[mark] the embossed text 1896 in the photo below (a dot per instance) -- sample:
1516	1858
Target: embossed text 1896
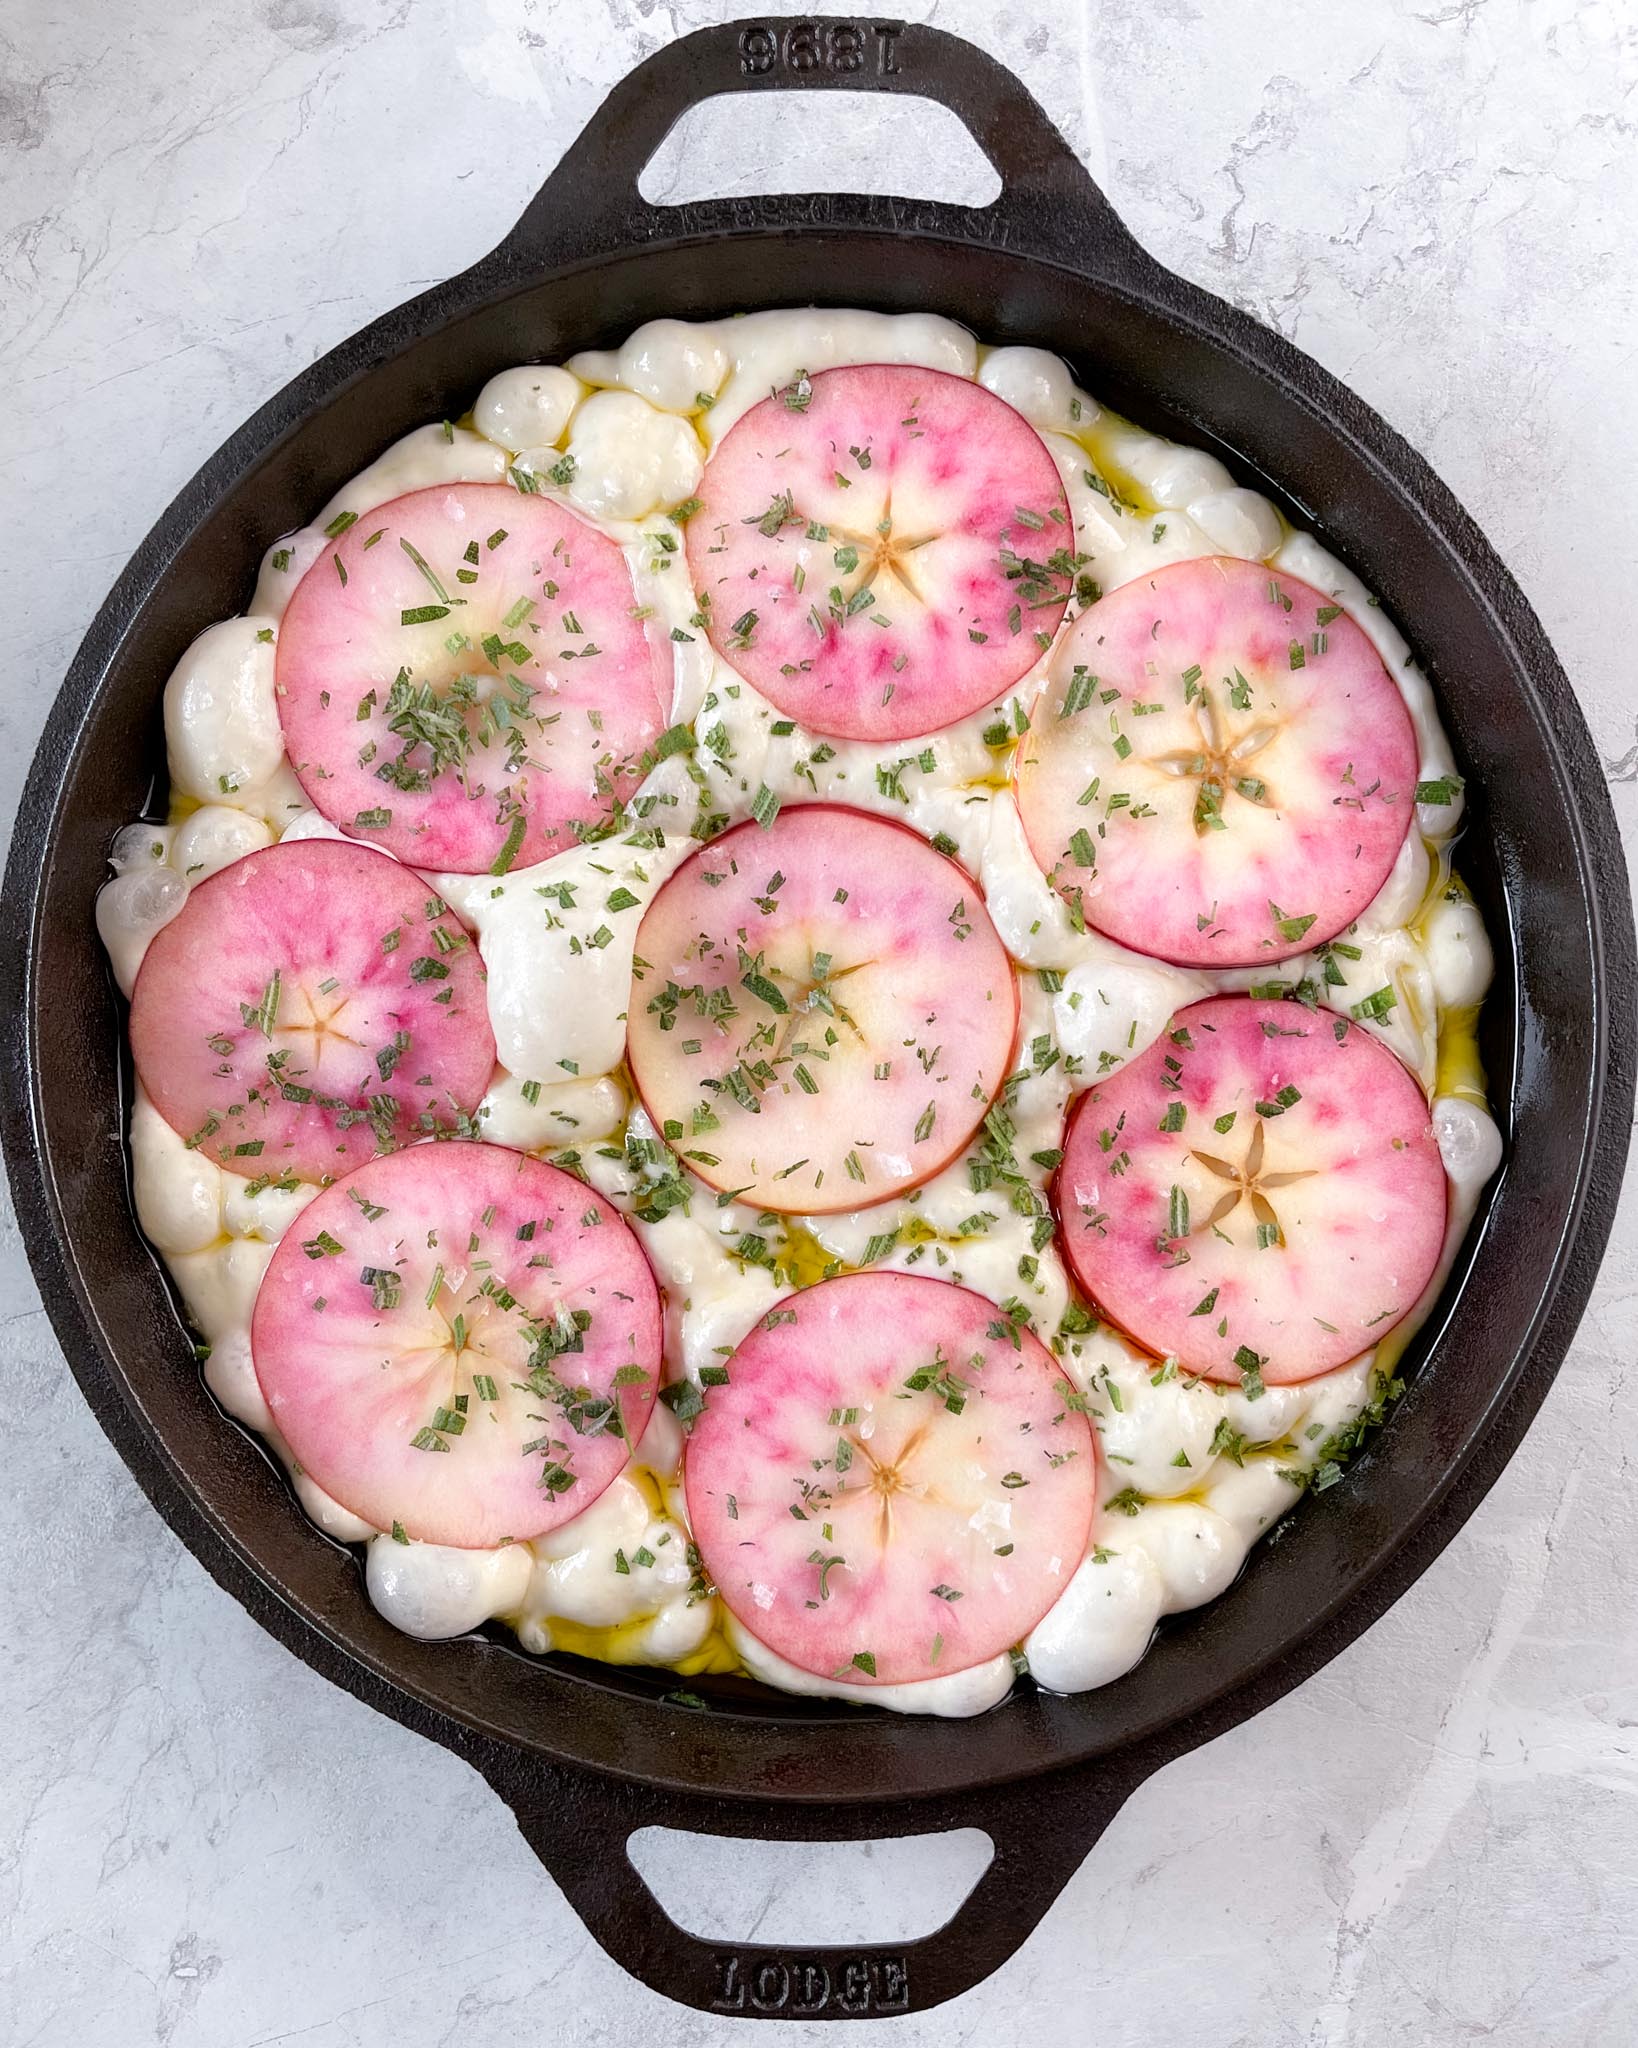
804	49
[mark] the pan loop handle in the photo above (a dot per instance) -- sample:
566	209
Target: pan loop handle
579	1826
1048	205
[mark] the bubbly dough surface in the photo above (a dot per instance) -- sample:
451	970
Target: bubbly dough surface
1192	1473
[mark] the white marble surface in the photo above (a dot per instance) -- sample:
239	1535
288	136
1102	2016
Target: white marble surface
1436	1841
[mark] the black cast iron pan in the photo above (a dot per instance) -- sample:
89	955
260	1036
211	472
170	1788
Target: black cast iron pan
584	1754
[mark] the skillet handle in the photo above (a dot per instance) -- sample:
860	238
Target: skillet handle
579	1826
1048	205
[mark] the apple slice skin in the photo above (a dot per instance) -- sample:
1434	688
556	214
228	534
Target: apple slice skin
357	1371
968	492
380	1032
592	691
995	1476
919	983
1345	1170
1266	847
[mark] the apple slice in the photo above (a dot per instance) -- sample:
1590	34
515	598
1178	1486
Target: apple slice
310	1005
892	1483
459	1343
882	549
822	1011
1219	771
1259	1195
462	678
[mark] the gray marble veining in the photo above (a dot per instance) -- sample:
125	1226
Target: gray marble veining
1435	1841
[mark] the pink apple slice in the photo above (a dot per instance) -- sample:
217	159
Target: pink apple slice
460	1341
892	1483
463	679
822	1011
1219	770
882	550
1260	1194
312	1004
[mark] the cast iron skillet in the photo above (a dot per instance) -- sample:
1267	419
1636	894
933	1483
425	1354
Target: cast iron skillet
585	1754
